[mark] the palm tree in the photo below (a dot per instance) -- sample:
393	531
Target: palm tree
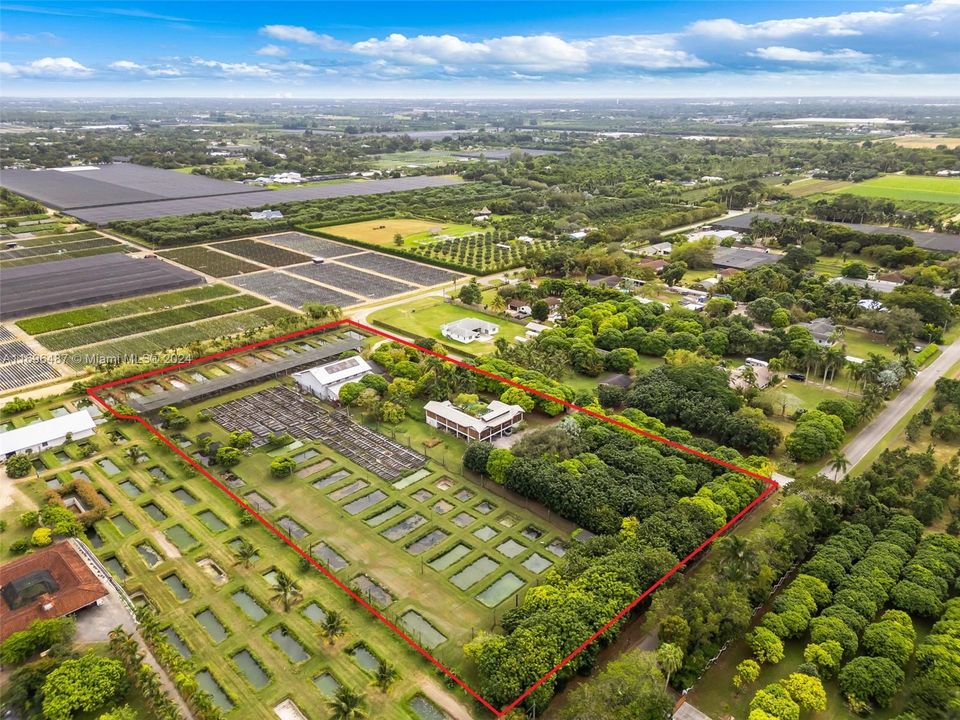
286	589
902	348
737	558
839	464
347	704
670	659
386	675
244	553
135	454
498	303
333	626
909	369
810	356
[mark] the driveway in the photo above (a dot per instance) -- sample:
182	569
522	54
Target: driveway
895	410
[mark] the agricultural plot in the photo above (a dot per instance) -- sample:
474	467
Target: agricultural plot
309	244
67	251
812	186
402	269
290	290
22	374
352	281
262	253
15	350
918	188
411	158
175	337
413	231
60	248
124	327
210	262
481	253
99	313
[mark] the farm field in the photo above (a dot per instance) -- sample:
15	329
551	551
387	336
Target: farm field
210	261
423	318
262	253
415	231
919	141
412	158
919	188
109	311
811	186
166	534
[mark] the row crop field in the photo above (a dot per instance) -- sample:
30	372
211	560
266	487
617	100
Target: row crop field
921	188
210	261
262	253
58	239
812	186
112	311
123	327
177	337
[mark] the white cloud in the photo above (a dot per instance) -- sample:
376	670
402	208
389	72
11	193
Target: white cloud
131	67
271	50
299	34
788	54
48	67
531	52
28	37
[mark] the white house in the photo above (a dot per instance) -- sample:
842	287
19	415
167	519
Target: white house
660	249
325	381
469	330
520	308
47	434
498	419
266	215
868	304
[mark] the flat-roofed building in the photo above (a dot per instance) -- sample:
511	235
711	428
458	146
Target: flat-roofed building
497	420
325	381
47	434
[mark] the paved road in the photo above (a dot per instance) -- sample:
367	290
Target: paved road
883	423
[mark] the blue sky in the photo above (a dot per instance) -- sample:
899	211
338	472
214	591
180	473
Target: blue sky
479	49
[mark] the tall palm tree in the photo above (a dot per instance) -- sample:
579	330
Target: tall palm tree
670	659
332	627
286	589
902	347
347	704
737	557
244	553
839	464
498	303
135	454
386	675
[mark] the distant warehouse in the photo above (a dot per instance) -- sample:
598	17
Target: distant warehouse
742	258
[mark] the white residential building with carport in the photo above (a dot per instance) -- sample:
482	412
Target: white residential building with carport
47	434
325	381
469	330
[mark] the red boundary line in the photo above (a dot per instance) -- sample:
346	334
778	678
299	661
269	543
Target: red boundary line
771	486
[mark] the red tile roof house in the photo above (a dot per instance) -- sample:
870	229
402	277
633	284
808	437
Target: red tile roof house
45	584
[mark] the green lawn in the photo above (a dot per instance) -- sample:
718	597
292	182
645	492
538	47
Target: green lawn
922	188
417	158
861	343
423	318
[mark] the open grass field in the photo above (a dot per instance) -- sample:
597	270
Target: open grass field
423	318
412	158
414	231
919	141
920	188
811	186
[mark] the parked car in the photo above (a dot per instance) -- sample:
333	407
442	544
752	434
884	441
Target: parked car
797	376
917	348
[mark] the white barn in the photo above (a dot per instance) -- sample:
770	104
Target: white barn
325	381
47	434
469	330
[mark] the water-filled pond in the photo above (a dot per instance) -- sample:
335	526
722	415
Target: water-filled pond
258	502
424	543
365	659
251	669
328	556
422	495
536	563
123	524
292	528
530	532
463	495
251	608
154	511
211	623
235	545
315	613
421	630
385	515
474	572
510	548
206	681
305	455
557	547
327	684
181	591
373	591
116	568
348	489
94	537
485	532
79	474
177	642
462	519
185	496
426	710
158	473
108	466
442	506
483	507
53	483
404	527
330	479
62	457
500	590
450	557
212	521
150	556
289	644
365	502
180	537
130	489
